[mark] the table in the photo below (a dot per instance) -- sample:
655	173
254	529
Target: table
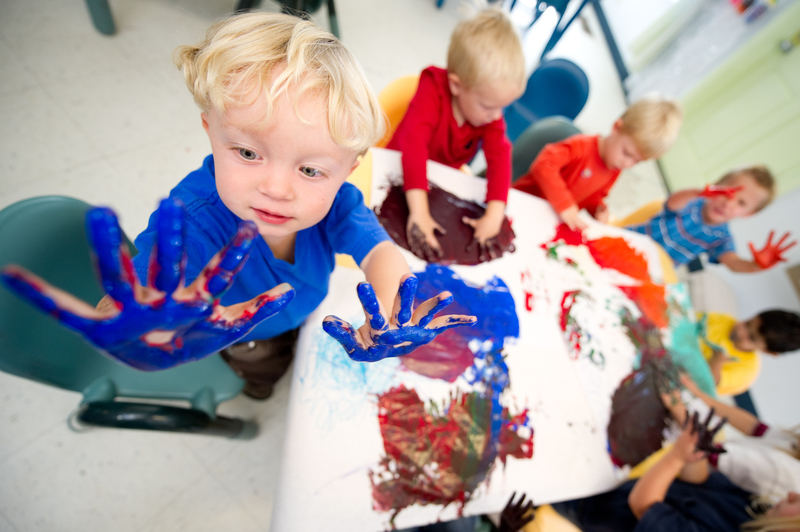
431	436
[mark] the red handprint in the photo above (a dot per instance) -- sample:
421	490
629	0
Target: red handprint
772	254
713	190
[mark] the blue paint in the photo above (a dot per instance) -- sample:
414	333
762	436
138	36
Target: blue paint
123	337
169	254
366	294
391	342
494	307
408	288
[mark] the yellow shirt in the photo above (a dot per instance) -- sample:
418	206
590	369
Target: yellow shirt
738	373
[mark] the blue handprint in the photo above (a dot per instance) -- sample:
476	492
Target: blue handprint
380	338
163	324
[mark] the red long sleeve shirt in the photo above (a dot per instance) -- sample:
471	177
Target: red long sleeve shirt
429	131
570	172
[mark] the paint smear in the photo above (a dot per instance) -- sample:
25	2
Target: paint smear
448	210
442	453
638	417
449	354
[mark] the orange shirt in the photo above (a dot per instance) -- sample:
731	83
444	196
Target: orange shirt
569	173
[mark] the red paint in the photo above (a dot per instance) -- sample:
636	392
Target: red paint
440	455
568	236
650	298
615	253
573	335
445	357
528	301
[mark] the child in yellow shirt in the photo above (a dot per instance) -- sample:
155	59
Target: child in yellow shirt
731	347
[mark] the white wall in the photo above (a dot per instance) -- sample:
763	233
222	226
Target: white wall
776	393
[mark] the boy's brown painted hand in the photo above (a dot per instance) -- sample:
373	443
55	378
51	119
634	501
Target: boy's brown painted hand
420	233
771	254
516	514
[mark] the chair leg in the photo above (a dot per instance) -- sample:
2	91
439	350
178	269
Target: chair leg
160	417
101	16
333	19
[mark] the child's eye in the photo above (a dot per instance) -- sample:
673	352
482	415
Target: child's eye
310	172
247	155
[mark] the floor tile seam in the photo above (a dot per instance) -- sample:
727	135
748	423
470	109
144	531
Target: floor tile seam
8	520
42	433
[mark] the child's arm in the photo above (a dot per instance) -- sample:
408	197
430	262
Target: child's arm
738	264
163	324
741	419
400	333
421	226
683	459
545	171
678	200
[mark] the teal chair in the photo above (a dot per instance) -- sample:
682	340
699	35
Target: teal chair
534	138
46	235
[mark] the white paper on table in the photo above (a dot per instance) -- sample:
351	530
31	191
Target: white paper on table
333	436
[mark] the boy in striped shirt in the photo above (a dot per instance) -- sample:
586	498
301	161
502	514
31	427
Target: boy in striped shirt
695	221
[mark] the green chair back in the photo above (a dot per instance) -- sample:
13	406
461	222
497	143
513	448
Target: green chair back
47	236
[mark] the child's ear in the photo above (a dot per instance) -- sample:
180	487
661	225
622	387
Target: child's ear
617	127
204	118
355	164
454	83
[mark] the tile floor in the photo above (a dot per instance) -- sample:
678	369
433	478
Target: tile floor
108	120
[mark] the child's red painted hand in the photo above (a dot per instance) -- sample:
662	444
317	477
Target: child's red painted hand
381	337
165	323
771	254
713	190
573	220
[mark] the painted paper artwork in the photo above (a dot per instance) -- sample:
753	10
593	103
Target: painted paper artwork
573	329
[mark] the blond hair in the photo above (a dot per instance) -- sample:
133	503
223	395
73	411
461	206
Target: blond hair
236	62
760	174
771	524
486	49
653	124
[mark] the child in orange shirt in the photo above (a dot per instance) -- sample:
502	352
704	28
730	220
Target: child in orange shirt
577	173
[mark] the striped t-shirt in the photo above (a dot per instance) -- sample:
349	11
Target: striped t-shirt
684	235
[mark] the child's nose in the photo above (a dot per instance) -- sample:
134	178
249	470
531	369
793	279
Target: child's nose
277	184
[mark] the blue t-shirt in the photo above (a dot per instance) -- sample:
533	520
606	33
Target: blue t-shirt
684	235
350	227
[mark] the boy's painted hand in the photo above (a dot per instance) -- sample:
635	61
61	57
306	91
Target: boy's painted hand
516	514
163	324
713	190
704	441
381	337
487	227
601	214
570	217
771	254
420	233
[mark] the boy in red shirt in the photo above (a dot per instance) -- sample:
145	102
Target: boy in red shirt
577	173
453	114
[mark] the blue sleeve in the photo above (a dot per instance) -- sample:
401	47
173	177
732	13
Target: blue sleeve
722	246
351	226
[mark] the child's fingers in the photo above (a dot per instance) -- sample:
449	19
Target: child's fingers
443	323
769	238
342	332
59	304
372	307
404	301
113	262
170	247
428	309
230	260
260	307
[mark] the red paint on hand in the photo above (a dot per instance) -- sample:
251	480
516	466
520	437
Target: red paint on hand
771	254
713	190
